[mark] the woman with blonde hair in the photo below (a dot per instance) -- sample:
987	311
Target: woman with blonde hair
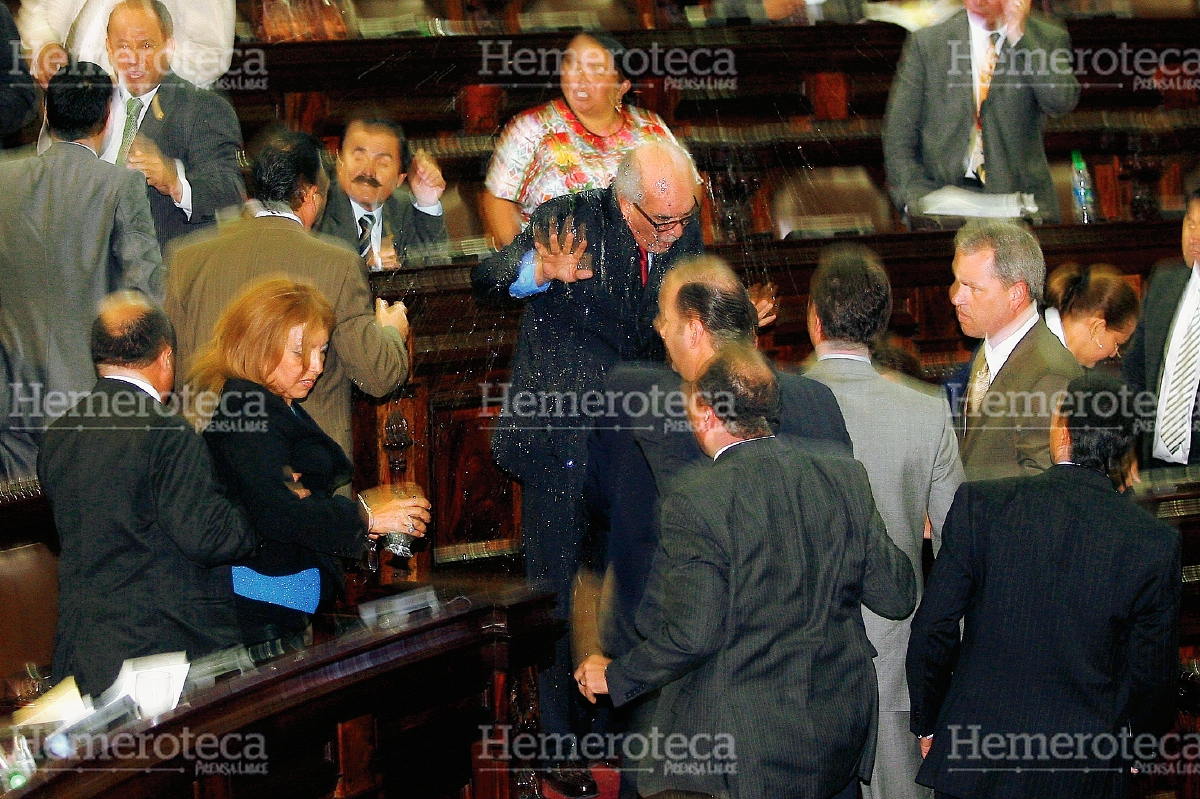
267	352
1092	309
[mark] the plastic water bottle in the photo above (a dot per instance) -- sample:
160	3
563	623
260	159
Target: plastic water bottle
1085	197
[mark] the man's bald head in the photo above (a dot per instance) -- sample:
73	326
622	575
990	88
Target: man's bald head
702	306
130	332
657	187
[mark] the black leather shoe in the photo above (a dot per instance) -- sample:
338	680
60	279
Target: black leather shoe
571	782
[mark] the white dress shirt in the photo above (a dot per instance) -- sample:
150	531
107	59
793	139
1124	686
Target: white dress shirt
1188	306
116	132
997	353
1054	322
140	383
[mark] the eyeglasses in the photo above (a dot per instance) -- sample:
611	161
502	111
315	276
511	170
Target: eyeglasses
664	226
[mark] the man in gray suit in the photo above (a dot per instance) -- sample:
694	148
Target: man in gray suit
752	618
74	229
1019	370
905	439
947	126
366	349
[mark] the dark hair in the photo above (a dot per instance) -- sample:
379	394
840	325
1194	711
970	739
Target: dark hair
1102	426
610	43
741	389
1193	197
887	355
130	331
166	25
288	163
1092	290
851	293
380	120
711	292
77	101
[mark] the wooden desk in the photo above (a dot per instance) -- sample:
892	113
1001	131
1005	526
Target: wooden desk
370	713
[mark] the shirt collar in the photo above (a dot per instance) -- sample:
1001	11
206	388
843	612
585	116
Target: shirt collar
359	211
735	443
140	383
980	30
146	98
843	356
997	353
264	211
79	144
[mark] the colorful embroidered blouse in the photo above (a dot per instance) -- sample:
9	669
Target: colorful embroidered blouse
546	152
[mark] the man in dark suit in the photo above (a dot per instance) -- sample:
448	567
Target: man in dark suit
147	533
1069	598
592	300
752	621
946	126
1157	360
905	439
366	349
368	208
1018	371
635	452
184	140
73	229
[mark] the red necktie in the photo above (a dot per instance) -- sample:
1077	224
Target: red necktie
644	262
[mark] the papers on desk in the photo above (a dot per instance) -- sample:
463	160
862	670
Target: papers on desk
953	201
62	704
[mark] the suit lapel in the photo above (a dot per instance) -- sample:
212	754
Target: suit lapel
1158	325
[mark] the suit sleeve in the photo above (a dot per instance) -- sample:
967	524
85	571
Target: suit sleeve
493	275
693	594
933	643
17	98
1057	96
1153	647
257	462
375	356
889	586
134	245
192	508
902	155
947	477
1033	444
211	159
427	228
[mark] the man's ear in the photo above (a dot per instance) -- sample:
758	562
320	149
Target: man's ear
816	333
695	332
1018	293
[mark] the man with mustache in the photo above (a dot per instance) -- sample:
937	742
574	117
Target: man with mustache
368	209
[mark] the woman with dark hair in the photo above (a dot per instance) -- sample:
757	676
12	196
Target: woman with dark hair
267	351
567	145
1092	309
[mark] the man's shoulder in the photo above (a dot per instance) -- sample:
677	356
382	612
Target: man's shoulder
1168	275
627	376
177	90
592	202
1043	354
943	32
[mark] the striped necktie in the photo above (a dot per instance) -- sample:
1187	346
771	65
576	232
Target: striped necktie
975	164
365	223
1180	395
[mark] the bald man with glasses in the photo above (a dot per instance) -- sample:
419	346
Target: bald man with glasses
588	267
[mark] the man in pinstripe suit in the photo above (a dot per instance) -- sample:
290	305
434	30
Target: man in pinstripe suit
752	621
